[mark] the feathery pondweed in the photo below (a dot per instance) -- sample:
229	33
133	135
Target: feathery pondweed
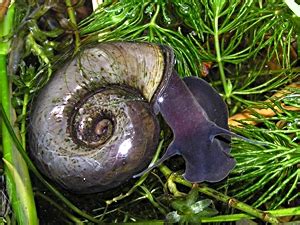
247	50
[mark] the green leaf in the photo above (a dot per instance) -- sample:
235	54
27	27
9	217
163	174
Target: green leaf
173	217
201	205
192	197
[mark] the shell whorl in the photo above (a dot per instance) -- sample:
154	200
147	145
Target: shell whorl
92	127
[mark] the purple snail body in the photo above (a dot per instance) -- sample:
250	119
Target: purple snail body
94	125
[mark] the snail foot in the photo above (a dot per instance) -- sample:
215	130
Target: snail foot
197	117
205	159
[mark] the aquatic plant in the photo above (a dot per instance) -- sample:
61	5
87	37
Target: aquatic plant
248	50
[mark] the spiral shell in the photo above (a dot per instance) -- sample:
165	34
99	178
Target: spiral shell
93	125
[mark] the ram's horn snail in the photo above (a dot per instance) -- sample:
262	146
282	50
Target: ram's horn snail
94	125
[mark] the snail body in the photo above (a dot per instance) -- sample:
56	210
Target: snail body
94	124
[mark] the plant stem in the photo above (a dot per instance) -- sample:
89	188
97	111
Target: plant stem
267	217
23	123
16	172
218	52
6	141
153	19
293	6
25	204
72	17
235	217
61	209
224	198
165	170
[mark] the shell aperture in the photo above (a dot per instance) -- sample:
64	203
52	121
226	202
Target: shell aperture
94	125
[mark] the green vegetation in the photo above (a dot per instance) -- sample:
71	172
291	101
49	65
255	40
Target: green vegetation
16	173
248	50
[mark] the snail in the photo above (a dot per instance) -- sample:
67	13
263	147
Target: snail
94	125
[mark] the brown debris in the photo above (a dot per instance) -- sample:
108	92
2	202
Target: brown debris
269	112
